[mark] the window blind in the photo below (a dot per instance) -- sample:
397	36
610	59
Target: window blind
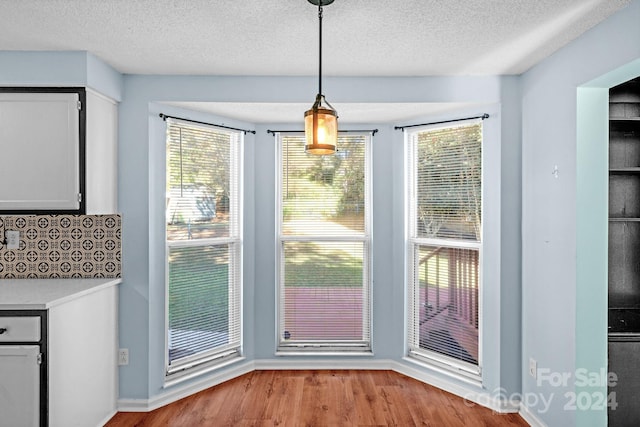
324	239
445	227
448	182
203	245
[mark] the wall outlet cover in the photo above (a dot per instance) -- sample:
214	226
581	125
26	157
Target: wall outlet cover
533	368
123	356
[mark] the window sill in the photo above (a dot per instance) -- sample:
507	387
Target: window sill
198	371
447	370
329	353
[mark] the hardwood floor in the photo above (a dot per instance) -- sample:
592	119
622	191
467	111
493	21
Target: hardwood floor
319	398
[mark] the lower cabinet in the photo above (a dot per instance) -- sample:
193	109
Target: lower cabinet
83	365
20	385
23	368
64	372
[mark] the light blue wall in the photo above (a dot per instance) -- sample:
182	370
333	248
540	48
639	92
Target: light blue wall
510	234
141	202
42	68
141	186
103	78
592	239
539	120
564	286
18	68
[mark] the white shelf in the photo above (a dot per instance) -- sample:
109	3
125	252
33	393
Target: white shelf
625	170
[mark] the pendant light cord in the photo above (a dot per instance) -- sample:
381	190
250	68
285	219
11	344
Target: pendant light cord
320	49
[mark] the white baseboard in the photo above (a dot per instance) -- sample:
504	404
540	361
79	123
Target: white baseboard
107	418
322	364
472	394
530	417
179	392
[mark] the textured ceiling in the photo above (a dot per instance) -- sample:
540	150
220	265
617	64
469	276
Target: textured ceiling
279	37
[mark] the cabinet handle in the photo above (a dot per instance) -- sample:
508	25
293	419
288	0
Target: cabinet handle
3	330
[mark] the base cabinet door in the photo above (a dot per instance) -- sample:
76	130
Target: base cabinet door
19	386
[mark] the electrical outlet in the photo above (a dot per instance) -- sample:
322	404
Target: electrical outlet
533	367
123	356
13	239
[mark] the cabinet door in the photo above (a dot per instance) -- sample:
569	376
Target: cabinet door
19	386
40	150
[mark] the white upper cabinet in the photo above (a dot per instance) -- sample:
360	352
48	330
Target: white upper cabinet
57	151
40	151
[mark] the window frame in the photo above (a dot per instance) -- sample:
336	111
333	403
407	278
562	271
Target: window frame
450	365
348	348
224	355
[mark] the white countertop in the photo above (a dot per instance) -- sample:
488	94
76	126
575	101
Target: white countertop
41	294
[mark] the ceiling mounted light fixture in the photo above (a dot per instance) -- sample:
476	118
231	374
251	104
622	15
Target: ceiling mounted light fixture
321	121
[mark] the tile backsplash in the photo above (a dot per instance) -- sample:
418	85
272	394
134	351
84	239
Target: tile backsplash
62	246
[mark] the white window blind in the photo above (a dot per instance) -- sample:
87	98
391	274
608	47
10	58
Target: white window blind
324	239
445	246
203	245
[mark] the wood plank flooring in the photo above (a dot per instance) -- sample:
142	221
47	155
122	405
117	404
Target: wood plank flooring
319	398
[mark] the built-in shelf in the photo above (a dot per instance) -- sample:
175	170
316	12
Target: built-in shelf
624	119
625	170
624	320
623	297
624	195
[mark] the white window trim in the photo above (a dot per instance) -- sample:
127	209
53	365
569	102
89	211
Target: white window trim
445	364
348	348
209	361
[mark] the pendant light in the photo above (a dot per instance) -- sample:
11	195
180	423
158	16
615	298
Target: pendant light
321	121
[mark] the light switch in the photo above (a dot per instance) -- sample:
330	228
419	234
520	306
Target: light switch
13	239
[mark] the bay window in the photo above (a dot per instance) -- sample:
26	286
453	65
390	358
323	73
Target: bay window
444	186
324	240
203	246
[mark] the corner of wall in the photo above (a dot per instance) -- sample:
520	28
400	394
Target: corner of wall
103	78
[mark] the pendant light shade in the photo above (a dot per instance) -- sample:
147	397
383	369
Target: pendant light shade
321	128
321	121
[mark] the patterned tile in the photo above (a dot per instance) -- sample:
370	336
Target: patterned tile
62	246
